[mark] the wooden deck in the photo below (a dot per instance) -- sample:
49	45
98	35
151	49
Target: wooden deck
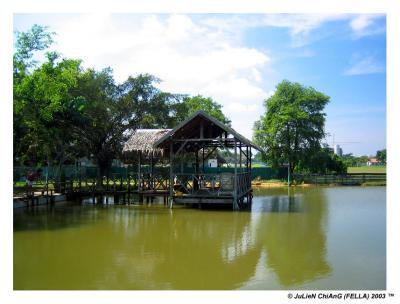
188	188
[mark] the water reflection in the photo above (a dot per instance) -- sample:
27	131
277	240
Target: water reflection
214	250
53	217
141	247
294	239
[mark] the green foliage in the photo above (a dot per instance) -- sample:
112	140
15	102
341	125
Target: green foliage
145	105
292	128
354	161
27	43
381	156
323	161
63	112
193	104
41	101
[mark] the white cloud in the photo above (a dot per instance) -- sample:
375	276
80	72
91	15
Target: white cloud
366	65
300	23
300	26
189	56
240	107
366	25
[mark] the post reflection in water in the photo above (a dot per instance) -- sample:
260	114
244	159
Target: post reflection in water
280	244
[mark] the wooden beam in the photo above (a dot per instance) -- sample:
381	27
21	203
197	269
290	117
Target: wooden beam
209	153
181	147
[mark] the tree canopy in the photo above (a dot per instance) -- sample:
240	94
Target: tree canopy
63	112
193	104
292	128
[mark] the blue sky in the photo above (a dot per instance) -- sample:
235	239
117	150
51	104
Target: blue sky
239	59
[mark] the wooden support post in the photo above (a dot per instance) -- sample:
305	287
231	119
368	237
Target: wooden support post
129	189
197	162
240	156
247	158
250	164
151	181
171	178
201	129
203	158
139	178
235	198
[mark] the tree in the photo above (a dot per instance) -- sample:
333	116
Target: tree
112	110
293	126
146	106
43	105
26	45
323	161
381	156
193	104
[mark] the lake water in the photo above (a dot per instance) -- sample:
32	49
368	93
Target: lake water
311	238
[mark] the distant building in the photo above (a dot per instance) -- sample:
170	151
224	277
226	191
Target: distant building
337	150
373	162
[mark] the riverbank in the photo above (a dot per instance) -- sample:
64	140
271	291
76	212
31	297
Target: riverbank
279	184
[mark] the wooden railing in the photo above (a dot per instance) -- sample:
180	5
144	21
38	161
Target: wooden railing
347	179
208	184
243	183
154	182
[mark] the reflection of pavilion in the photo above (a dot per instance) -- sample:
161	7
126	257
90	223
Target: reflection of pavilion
294	239
186	250
189	249
221	250
157	248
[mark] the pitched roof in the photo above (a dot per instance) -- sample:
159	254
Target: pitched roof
190	129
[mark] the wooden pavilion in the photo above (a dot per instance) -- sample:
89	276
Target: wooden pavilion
196	138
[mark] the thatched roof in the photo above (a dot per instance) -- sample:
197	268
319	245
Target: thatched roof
142	140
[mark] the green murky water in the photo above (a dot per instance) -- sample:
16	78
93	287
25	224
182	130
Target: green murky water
315	238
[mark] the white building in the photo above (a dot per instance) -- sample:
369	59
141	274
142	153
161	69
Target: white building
337	150
212	163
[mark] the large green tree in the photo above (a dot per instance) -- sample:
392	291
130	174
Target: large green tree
193	104
63	112
112	110
43	104
293	126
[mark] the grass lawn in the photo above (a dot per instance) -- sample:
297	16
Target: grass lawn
366	169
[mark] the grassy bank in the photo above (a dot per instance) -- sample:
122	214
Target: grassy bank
367	169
